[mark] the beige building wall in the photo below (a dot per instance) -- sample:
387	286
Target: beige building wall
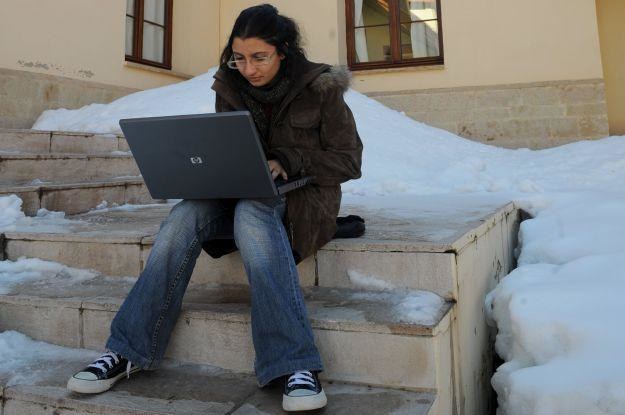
515	74
611	19
485	42
322	23
70	53
85	39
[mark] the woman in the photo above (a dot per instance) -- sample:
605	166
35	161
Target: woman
306	129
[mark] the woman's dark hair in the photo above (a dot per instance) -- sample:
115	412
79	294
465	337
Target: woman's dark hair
264	22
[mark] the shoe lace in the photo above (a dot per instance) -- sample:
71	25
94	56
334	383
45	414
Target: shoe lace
128	366
301	377
105	362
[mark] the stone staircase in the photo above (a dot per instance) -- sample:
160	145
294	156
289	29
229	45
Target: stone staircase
379	357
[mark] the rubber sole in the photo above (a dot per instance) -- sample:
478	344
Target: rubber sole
95	386
304	403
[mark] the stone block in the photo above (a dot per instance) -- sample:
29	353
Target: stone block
110	166
429	271
487	114
571	94
418	116
565	127
230	270
137	193
26	169
482	130
540	95
80	199
372	359
593	126
30	198
586	109
146	396
445	117
115	259
122	144
452	100
201	339
96	327
537	111
83	144
498	98
56	322
347	399
406	102
27	141
524	128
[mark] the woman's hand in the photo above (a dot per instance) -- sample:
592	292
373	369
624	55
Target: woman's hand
276	170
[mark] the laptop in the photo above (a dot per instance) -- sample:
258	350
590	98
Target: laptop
203	156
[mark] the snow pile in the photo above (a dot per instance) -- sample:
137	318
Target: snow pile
25	270
558	313
190	97
10	210
25	361
411	306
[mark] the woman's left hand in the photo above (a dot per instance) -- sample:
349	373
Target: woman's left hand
276	170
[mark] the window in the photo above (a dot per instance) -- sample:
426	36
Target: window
148	32
393	33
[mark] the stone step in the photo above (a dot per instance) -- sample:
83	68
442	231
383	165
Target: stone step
411	252
80	197
363	337
184	389
42	142
24	168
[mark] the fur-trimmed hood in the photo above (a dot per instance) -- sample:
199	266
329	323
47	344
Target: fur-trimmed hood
337	76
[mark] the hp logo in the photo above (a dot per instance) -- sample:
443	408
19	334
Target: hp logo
196	160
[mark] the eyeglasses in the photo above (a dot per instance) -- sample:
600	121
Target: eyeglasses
256	61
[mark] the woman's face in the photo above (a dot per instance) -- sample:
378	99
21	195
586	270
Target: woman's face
260	61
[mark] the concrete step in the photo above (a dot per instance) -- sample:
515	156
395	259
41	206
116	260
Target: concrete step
363	337
42	142
181	389
22	168
410	252
80	197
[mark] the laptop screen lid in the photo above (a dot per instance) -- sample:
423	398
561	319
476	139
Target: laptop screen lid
200	156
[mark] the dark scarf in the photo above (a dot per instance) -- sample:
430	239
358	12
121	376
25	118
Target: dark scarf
271	95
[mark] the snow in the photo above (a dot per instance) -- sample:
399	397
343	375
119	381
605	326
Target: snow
23	270
25	361
190	97
558	314
10	210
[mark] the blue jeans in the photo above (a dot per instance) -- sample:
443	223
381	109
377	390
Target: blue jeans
281	332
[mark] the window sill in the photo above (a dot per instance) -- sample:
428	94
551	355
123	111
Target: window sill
437	67
158	70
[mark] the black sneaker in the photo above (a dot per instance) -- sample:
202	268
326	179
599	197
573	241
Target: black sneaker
303	392
100	375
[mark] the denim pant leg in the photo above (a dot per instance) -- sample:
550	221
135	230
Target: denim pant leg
142	327
281	332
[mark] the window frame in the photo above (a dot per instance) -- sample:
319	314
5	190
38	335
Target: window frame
395	39
137	47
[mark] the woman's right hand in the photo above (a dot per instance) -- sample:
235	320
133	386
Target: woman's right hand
276	170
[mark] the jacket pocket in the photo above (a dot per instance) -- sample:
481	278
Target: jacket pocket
305	118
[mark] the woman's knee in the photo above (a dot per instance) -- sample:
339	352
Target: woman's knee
192	215
256	223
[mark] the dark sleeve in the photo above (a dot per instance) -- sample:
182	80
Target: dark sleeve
340	156
221	105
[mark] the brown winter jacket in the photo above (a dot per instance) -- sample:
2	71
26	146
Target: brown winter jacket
313	133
